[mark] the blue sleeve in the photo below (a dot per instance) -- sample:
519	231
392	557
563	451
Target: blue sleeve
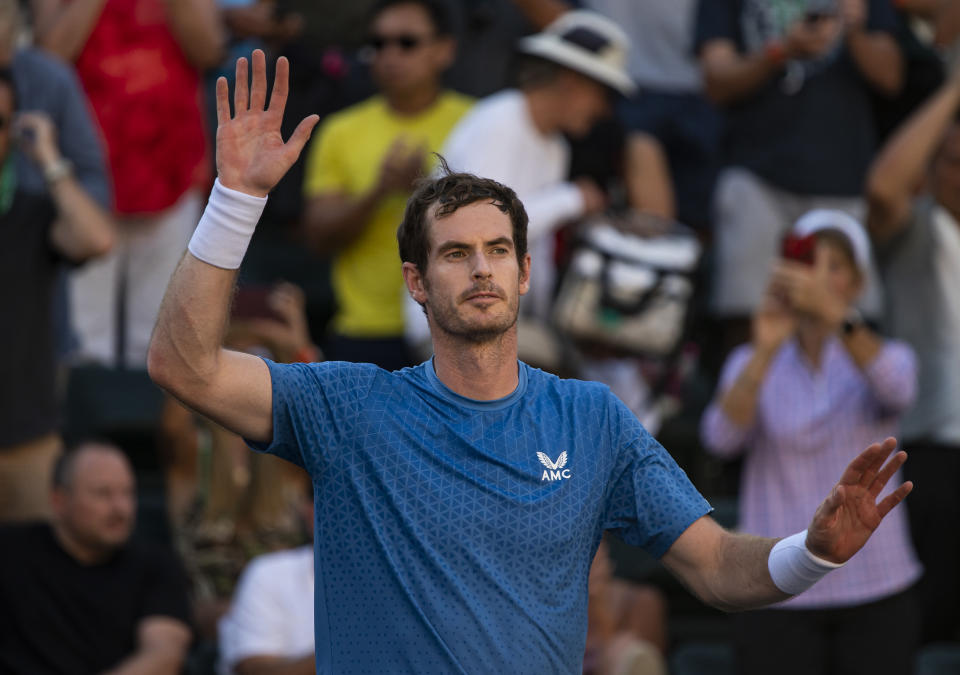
315	409
651	501
716	20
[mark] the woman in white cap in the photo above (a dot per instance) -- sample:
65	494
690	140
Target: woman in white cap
815	381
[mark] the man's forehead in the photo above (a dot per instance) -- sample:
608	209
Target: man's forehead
481	220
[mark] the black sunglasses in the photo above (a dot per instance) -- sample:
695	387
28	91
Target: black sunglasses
406	43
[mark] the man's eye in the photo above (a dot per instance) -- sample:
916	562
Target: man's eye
456	254
500	250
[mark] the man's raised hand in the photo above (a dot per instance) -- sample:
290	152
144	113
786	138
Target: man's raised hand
845	520
251	154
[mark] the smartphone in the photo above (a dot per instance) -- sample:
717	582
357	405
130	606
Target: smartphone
799	249
253	302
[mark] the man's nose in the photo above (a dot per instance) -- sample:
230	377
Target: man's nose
481	266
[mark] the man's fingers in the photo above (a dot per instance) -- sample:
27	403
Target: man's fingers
258	87
868	463
894	498
240	94
886	472
301	135
223	101
281	86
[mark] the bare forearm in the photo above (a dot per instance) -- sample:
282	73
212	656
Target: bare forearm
271	665
186	343
150	662
743	577
63	28
332	221
900	166
726	570
879	60
739	403
649	188
199	32
541	13
733	77
83	229
863	346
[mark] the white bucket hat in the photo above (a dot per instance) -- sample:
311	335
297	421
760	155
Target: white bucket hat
818	220
588	43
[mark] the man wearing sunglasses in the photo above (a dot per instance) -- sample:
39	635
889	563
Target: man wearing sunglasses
361	169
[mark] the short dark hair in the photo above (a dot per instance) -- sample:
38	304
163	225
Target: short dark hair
63	467
533	72
437	10
449	191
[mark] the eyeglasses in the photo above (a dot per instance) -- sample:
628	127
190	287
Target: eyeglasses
406	43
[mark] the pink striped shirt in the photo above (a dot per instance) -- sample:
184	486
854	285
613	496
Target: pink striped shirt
808	426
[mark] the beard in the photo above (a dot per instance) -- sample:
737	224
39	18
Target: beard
488	327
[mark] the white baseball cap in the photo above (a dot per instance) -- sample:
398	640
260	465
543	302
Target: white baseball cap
819	220
588	43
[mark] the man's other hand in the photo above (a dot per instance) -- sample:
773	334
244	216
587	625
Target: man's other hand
845	520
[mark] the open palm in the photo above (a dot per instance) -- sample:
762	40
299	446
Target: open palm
845	520
251	154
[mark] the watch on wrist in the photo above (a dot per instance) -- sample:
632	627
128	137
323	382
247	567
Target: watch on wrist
852	321
57	170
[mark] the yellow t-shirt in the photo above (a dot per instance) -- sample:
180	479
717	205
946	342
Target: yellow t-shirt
346	158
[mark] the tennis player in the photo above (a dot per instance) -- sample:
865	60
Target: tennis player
459	503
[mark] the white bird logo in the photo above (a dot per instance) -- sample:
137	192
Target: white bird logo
553	466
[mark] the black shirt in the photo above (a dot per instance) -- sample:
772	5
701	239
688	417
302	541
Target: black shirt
809	130
60	617
28	272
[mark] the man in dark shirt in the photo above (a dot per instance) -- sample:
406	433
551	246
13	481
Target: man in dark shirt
794	80
77	595
38	232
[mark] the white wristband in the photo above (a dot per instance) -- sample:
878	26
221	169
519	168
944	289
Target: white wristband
224	231
793	567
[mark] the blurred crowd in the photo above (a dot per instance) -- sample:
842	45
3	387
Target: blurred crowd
744	219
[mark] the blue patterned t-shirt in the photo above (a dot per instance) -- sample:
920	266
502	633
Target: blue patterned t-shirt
456	536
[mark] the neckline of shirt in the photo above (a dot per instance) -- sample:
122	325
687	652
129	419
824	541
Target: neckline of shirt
453	397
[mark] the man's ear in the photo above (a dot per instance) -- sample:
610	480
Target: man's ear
414	282
525	274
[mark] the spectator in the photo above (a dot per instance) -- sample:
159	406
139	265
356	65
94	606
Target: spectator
914	197
226	505
40	230
139	62
45	85
815	380
672	107
269	627
361	169
516	137
794	80
78	595
626	624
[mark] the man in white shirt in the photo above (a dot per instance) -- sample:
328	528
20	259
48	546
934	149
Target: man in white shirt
270	621
269	629
566	82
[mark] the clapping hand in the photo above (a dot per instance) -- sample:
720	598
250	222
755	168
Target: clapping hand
845	520
806	289
251	154
773	323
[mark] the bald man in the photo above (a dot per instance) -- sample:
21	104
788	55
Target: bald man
78	595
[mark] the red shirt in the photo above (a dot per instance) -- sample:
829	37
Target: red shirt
147	98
